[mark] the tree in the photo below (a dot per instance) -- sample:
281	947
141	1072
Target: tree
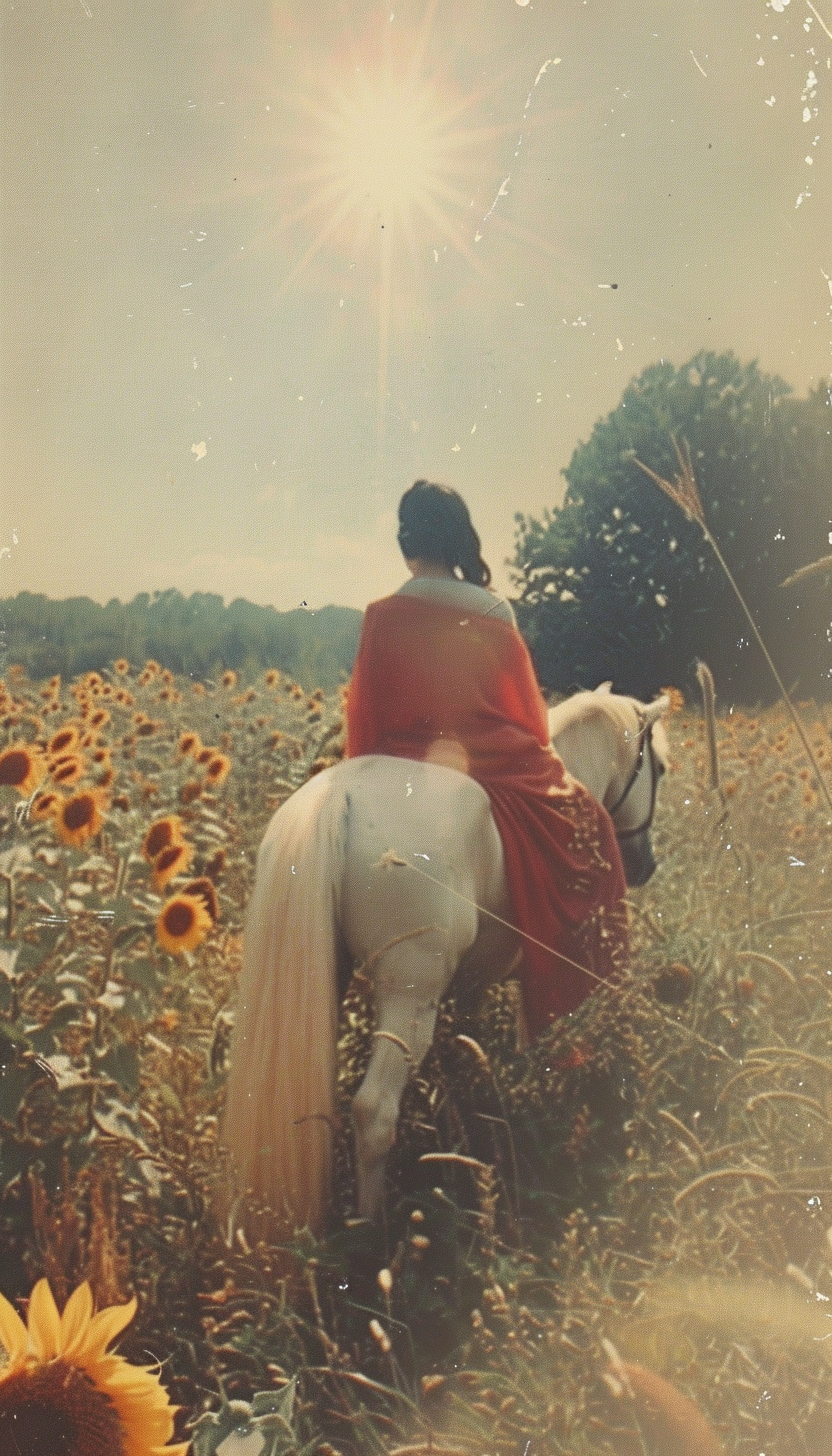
617	583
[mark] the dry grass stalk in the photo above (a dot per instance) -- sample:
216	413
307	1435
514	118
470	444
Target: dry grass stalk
718	1175
814	568
685	494
706	682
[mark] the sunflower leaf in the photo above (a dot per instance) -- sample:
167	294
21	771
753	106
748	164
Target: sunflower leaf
276	1402
121	1062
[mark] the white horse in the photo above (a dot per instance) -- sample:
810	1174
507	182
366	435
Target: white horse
396	866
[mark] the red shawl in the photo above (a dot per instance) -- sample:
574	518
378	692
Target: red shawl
432	683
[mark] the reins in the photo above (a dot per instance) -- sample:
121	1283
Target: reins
645	736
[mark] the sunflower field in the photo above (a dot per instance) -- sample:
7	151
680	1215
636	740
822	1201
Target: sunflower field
618	1241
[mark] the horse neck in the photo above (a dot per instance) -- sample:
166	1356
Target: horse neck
586	735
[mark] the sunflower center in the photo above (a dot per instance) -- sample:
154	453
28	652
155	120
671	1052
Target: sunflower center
55	1410
79	812
16	765
179	917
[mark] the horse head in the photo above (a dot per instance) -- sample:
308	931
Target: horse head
618	749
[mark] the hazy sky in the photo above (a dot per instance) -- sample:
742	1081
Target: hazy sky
265	264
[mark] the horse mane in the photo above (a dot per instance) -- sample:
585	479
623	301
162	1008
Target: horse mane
587	755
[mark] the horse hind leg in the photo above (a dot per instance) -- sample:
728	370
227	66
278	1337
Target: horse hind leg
411	977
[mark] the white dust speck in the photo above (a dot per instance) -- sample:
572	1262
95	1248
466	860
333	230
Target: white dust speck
473	429
620	346
804	194
456	449
697	65
521	3
771	100
200	450
779	5
807	115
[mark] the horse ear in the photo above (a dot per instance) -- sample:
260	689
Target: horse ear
604	687
656	709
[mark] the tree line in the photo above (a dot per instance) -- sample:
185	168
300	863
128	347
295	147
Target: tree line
198	636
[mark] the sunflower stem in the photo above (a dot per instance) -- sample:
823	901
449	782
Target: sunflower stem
9	905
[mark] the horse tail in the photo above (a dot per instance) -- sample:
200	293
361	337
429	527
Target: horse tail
281	1090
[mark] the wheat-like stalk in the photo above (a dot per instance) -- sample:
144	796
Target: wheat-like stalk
706	682
824	563
683	491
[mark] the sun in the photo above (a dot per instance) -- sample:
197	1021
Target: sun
382	164
388	153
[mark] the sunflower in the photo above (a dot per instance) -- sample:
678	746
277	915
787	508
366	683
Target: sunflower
81	817
160	835
205	755
22	768
204	890
189	791
64	740
189	744
272	677
229	678
99	718
218	769
147	729
45	803
170	862
67	769
61	1392
216	865
121	666
183	924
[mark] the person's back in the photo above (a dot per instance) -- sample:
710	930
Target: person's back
443	675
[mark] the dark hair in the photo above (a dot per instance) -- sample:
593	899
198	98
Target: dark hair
435	525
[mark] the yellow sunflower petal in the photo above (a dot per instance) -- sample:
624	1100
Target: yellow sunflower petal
76	1318
44	1322
142	1404
13	1336
105	1326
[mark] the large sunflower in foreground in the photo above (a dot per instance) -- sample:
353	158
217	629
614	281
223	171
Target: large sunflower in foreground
61	1394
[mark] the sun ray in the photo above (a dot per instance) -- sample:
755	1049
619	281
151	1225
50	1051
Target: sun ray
380	157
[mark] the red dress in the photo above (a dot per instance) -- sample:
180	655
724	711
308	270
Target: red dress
431	682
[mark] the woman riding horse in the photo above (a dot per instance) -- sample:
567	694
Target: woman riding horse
443	675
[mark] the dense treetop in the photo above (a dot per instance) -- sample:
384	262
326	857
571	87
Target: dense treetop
617	583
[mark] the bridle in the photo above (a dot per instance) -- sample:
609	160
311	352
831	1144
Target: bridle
645	735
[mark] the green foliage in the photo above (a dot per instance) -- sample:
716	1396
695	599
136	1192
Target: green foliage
197	635
617	583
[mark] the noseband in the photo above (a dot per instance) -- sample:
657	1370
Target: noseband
645	737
